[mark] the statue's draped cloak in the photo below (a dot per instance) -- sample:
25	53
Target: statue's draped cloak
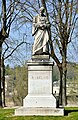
41	35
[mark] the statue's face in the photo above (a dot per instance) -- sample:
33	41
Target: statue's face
41	11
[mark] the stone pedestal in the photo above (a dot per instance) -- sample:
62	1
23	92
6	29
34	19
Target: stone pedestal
39	85
40	100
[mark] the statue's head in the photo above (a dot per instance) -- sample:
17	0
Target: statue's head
42	9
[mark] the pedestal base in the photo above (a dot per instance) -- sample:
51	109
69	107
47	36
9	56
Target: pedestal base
40	111
39	101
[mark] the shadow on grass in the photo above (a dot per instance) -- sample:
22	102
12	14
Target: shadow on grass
66	112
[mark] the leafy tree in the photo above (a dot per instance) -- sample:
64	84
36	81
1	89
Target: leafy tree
55	73
21	83
17	85
71	73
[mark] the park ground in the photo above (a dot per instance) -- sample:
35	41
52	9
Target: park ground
71	113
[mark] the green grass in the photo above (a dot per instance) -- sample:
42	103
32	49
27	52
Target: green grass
71	113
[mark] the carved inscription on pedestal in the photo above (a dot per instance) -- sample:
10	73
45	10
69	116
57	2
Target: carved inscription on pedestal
41	75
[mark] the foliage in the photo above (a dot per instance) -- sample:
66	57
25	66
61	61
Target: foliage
17	84
71	113
8	70
72	74
55	73
20	87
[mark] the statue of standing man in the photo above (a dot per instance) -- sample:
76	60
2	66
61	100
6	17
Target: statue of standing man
40	30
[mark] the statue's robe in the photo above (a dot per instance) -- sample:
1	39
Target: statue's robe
41	35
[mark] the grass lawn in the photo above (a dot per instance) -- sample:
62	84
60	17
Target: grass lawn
71	113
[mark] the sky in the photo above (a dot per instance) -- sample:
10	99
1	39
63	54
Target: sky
25	51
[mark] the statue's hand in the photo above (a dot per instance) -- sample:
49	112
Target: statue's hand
43	26
37	25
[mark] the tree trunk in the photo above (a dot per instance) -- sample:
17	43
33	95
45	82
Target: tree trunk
3	82
63	74
60	91
64	67
0	76
64	100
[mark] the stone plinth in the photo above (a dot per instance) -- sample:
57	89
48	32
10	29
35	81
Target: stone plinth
40	100
40	57
40	111
39	85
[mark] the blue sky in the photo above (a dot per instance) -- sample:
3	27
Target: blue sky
23	56
25	51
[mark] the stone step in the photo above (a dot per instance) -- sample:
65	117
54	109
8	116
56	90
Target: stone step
40	111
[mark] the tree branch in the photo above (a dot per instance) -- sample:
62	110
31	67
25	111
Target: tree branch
15	49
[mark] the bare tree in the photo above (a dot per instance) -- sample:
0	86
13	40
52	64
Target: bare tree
63	18
18	11
8	52
9	13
